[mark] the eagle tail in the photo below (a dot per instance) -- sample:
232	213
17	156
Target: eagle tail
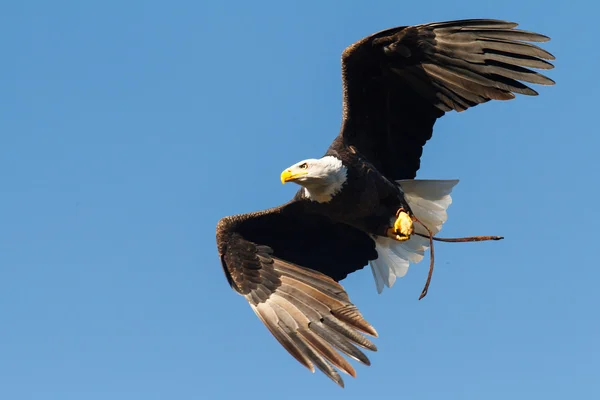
428	200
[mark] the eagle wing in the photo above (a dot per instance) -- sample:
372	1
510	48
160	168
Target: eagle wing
286	264
398	82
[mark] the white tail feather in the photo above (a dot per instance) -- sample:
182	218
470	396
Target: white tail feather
428	200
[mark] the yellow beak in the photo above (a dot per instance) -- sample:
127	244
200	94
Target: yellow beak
288	176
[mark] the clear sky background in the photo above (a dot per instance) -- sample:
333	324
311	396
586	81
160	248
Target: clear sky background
128	128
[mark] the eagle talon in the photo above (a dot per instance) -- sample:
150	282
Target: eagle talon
404	224
391	233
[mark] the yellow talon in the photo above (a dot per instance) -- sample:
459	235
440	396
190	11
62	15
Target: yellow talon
393	235
404	224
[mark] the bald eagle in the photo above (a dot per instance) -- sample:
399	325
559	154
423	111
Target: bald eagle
360	204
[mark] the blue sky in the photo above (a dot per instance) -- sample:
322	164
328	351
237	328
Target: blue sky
129	128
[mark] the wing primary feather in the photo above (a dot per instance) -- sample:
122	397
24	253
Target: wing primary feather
321	296
339	341
318	360
350	314
481	23
523	60
303	319
313	309
355	337
328	352
461	84
511	34
476	73
517	48
292	317
318	280
269	318
517	72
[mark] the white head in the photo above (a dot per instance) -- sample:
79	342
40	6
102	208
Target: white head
322	179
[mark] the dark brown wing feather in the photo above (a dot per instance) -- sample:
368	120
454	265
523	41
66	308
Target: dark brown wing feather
399	81
278	259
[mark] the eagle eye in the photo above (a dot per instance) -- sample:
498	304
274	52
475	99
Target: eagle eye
304	166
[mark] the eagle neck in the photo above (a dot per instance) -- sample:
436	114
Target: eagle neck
325	189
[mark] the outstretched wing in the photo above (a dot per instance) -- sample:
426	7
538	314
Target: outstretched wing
399	81
286	263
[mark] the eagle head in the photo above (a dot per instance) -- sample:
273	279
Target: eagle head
322	178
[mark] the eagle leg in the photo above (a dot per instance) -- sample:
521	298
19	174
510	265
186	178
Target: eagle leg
403	227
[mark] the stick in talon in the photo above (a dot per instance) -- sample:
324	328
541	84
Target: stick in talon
431	258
